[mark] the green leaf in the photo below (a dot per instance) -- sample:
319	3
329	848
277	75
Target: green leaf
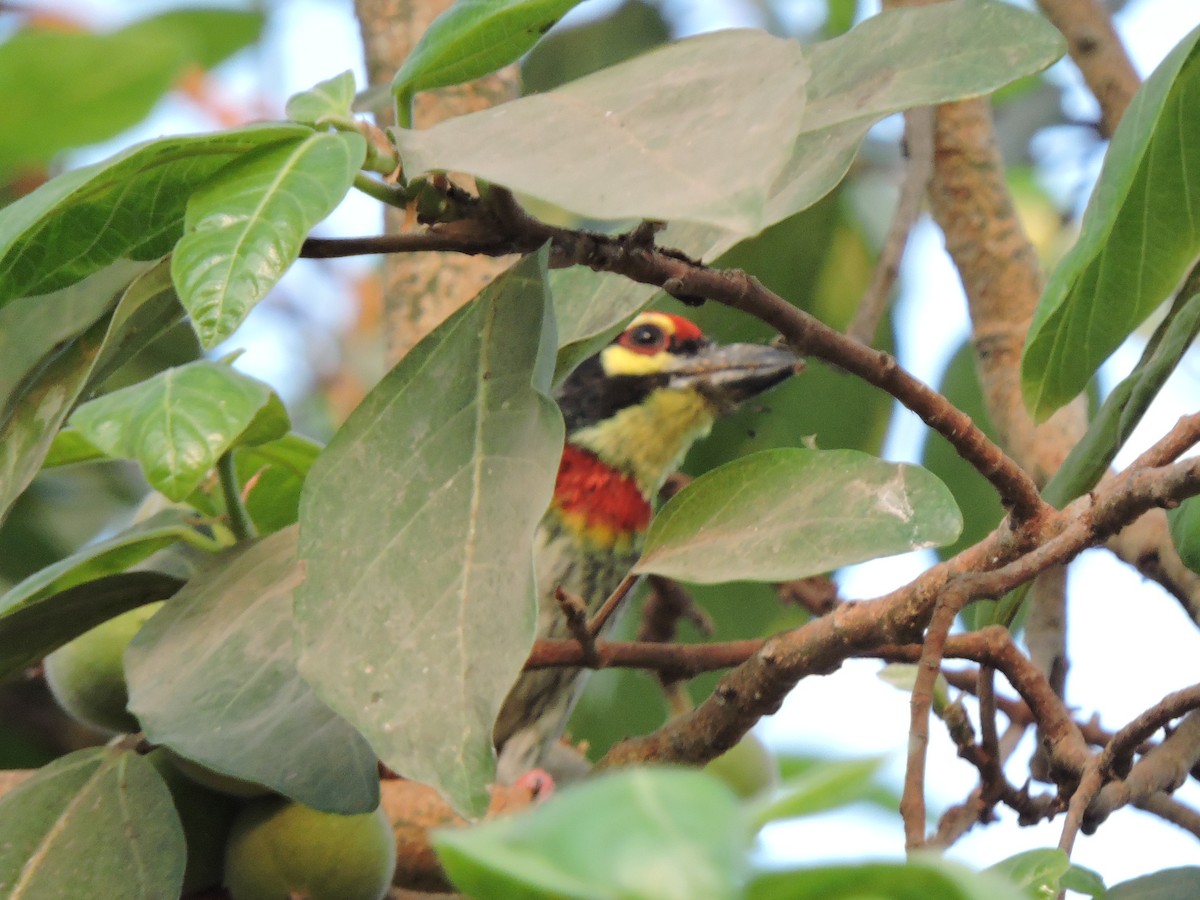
128	206
1184	522
1083	881
737	95
919	879
434	488
69	448
827	785
569	53
887	64
329	99
639	834
841	16
275	472
591	308
28	336
471	39
1125	405
755	152
95	823
147	307
180	422
107	557
204	36
790	513
1037	872
244	227
1167	884
74	88
213	676
1139	235
903	677
30	629
795	766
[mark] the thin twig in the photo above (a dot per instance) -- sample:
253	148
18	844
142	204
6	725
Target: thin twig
1089	785
575	612
989	742
912	799
1161	714
611	604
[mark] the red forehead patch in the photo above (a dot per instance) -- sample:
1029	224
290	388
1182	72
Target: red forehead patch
685	329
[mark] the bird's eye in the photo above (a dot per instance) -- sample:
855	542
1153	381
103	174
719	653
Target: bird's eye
644	338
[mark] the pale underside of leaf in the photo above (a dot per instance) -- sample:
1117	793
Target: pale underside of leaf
429	586
791	513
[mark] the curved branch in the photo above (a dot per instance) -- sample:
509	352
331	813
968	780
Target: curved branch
1098	52
629	255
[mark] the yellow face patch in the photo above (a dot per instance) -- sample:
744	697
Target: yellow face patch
618	360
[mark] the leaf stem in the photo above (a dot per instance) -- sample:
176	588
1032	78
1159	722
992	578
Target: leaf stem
239	520
200	541
391	194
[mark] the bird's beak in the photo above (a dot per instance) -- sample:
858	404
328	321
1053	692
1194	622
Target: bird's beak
732	373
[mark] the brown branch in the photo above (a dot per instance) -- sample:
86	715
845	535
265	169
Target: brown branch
1098	52
959	819
994	646
1002	278
1164	767
918	138
414	242
677	660
1089	785
1182	437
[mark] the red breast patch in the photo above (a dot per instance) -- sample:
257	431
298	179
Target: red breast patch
599	495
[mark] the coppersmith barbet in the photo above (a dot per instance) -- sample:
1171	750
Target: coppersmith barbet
632	412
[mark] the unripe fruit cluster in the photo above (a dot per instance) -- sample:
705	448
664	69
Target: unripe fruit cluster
260	846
